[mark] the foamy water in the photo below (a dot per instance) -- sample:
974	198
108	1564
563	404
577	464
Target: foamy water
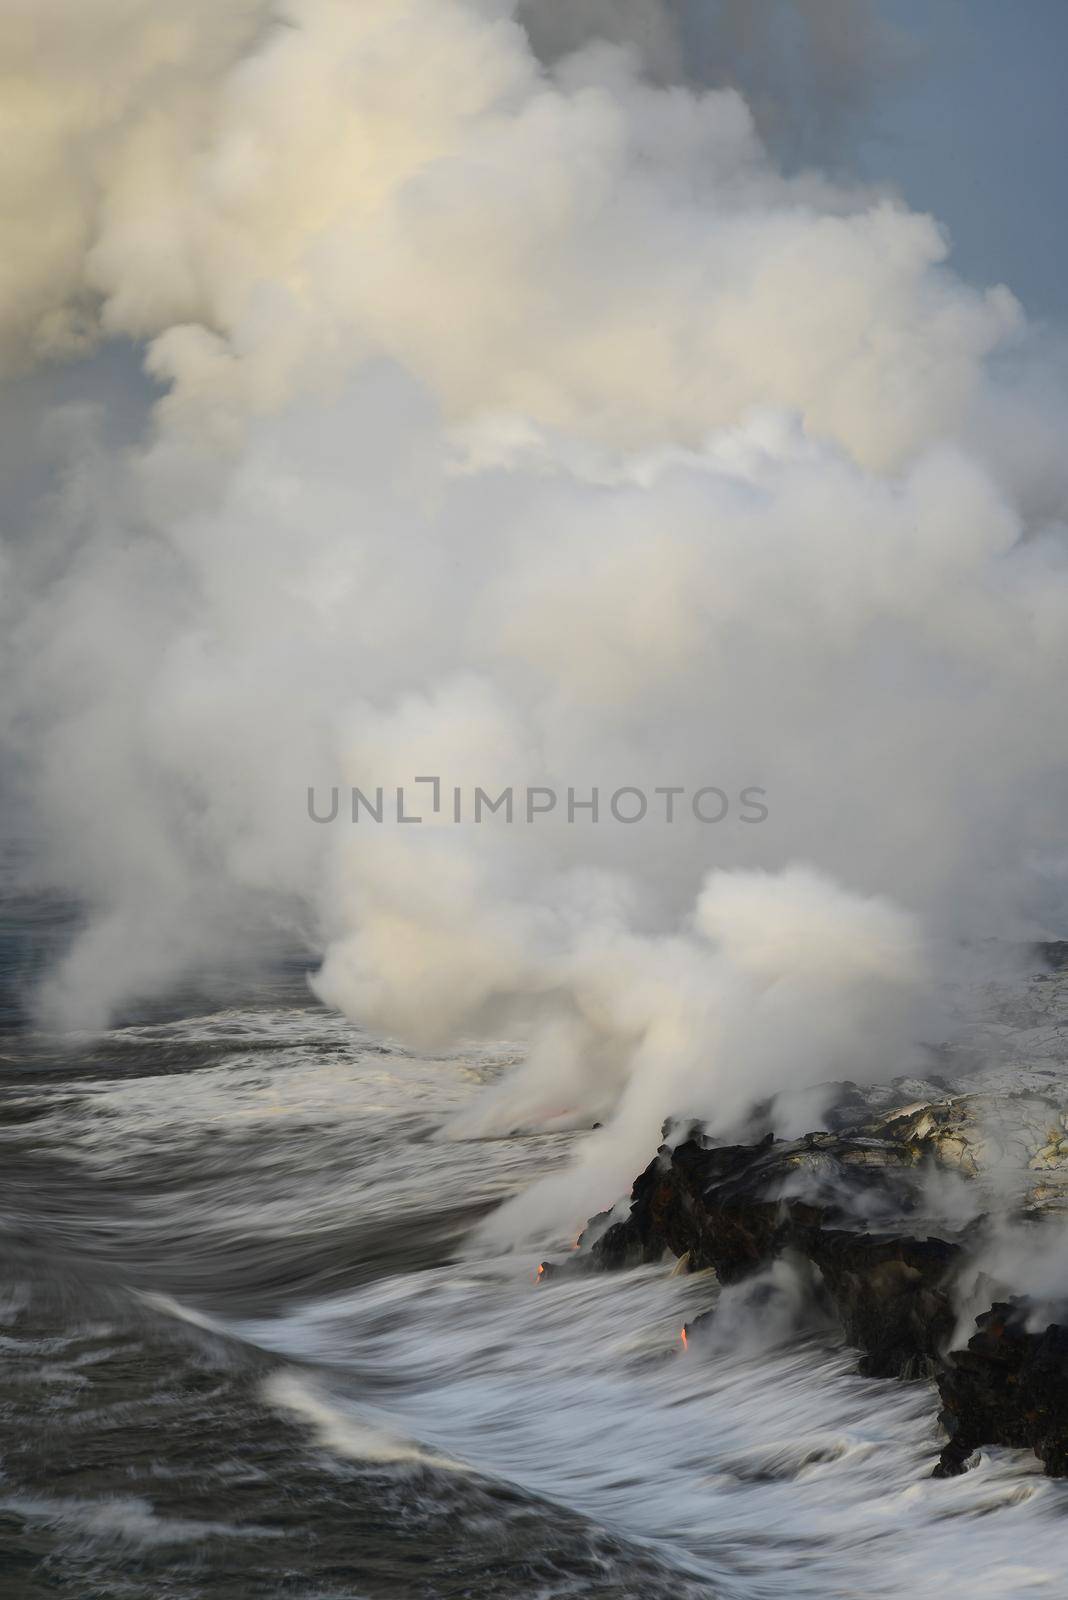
296	1196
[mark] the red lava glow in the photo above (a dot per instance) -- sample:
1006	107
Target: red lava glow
685	1340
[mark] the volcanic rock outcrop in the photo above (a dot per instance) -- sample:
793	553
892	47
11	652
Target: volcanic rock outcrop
869	1208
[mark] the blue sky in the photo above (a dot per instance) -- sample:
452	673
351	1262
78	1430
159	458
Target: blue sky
976	131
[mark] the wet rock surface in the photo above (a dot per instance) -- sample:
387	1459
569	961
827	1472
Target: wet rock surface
737	1208
1009	1387
889	1214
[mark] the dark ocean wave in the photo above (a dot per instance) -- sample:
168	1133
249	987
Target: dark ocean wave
253	1342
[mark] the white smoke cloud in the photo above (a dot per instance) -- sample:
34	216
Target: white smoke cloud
524	427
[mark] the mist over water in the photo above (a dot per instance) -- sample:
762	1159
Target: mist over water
523	425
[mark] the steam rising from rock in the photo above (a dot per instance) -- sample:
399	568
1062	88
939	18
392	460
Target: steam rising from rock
521	425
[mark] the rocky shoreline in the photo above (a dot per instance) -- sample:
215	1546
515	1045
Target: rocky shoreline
891	1226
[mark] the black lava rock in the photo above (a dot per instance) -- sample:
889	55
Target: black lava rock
1008	1387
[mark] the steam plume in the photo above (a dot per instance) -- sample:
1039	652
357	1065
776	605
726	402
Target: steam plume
520	425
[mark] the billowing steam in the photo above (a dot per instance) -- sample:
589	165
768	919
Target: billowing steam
520	425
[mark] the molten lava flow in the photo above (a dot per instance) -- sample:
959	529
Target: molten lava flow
685	1338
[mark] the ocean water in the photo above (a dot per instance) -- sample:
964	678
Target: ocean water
253	1343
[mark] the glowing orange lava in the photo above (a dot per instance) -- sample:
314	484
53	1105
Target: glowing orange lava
685	1340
